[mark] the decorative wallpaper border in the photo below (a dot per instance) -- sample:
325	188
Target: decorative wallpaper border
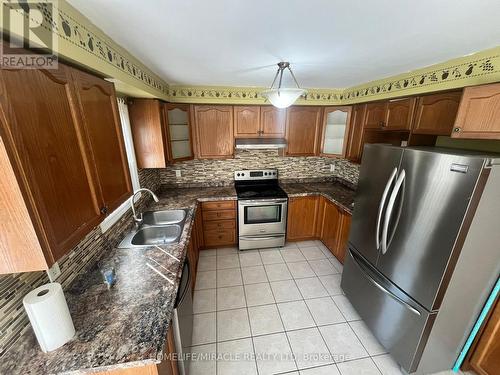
245	95
78	34
85	44
93	48
479	68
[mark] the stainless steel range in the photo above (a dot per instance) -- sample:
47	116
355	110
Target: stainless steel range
262	209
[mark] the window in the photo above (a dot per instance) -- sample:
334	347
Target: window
132	164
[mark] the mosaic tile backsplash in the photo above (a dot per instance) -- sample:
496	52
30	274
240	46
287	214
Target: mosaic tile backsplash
220	172
13	287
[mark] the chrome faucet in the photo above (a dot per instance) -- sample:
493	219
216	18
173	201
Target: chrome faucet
138	218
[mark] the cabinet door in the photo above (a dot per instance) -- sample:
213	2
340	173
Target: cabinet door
335	132
375	114
149	134
46	143
479	113
399	114
302	216
214	131
331	225
272	122
485	359
178	131
98	105
303	130
355	142
246	121
436	114
343	236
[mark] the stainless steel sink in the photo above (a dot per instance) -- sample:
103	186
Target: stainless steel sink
163	217
156	235
157	228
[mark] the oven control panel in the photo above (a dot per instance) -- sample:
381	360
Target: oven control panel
256	174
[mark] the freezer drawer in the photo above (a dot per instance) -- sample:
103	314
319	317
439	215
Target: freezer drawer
400	324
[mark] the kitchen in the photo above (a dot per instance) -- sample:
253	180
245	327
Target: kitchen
191	219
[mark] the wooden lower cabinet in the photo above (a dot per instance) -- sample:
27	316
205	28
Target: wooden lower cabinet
167	367
330	225
343	235
302	216
316	217
485	356
219	224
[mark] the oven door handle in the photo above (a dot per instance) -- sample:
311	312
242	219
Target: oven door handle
248	238
252	202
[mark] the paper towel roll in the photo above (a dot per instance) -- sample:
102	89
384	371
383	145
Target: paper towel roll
49	316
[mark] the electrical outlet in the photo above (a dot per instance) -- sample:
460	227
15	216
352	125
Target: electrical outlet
178	173
332	167
404	143
54	272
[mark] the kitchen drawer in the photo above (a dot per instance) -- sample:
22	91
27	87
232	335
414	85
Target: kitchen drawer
218	215
219	205
220	237
219	225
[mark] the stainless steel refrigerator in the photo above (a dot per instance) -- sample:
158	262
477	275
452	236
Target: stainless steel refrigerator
424	249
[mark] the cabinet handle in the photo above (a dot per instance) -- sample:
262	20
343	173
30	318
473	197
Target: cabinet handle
457	130
104	210
382	123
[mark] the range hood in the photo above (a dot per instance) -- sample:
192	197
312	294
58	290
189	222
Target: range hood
260	143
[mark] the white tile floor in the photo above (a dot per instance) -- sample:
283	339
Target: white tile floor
279	311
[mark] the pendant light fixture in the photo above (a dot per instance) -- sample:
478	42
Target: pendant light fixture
281	97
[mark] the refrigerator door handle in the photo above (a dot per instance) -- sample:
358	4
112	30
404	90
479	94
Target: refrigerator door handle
382	204
379	285
390	208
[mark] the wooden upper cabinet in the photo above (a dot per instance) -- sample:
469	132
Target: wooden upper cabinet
99	108
399	114
375	114
302	216
149	133
259	121
479	113
435	114
213	126
272	122
20	249
355	142
247	121
335	131
303	127
48	148
177	120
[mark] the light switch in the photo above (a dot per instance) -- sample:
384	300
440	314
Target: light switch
178	173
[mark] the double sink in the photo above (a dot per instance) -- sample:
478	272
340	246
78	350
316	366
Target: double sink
157	228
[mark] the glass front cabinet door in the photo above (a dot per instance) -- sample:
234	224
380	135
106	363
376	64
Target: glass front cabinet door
178	129
335	131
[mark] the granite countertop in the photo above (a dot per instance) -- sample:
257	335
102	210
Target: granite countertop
338	192
127	325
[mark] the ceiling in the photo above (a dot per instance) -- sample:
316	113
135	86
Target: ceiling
329	43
